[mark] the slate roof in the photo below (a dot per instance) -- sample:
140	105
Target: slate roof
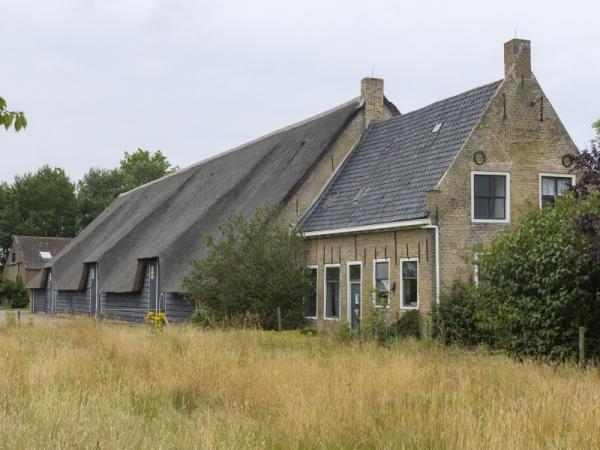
29	247
385	179
166	218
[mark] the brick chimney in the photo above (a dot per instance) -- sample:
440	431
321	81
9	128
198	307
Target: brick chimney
371	91
517	53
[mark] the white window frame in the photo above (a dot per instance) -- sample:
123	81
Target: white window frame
348	264
552	175
506	203
375	261
316	294
325	292
476	269
402	260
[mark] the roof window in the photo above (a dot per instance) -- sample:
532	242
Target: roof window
330	199
46	255
438	127
360	194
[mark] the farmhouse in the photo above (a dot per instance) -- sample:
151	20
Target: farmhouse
392	205
29	254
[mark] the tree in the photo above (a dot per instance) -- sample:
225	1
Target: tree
253	268
11	118
141	167
596	125
40	204
97	189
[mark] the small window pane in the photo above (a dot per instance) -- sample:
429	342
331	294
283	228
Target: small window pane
382	270
498	186
409	269
548	186
482	186
497	208
562	185
355	272
333	274
481	208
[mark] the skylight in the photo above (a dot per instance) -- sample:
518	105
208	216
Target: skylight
361	192
46	255
438	127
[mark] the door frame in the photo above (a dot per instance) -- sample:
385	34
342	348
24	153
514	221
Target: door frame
153	304
349	298
94	284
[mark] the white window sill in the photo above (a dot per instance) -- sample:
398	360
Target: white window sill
490	221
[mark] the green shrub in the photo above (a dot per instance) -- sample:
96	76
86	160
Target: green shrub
541	285
407	324
14	293
254	267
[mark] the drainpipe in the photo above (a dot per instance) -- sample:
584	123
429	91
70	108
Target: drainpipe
437	260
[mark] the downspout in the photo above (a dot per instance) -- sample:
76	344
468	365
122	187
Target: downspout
436	231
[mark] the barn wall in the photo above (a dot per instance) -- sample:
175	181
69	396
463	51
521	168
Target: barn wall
131	307
177	308
41	299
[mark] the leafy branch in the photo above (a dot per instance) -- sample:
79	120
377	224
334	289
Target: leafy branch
11	118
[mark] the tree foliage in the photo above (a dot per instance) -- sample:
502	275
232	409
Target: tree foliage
254	267
39	204
541	284
97	189
141	167
14	292
15	119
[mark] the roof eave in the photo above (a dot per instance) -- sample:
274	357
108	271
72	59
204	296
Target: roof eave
416	223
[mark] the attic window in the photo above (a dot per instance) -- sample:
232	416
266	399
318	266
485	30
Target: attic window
360	194
438	127
330	199
46	255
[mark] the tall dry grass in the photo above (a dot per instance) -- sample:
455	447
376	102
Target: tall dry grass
85	385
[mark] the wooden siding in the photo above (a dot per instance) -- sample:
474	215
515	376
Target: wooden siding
131	307
177	308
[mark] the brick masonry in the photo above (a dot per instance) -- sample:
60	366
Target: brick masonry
518	136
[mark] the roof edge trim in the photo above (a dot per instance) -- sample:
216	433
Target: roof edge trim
367	228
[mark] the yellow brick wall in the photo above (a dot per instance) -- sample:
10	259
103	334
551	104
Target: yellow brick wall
515	141
366	247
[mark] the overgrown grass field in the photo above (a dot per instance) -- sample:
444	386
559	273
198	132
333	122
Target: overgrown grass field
86	385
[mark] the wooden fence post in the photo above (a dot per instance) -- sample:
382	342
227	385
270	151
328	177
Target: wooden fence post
582	347
279	318
19	317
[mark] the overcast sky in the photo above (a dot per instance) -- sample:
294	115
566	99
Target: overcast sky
194	78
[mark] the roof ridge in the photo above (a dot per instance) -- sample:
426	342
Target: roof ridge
437	102
358	100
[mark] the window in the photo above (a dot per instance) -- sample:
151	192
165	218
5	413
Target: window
332	292
490	197
354	295
553	186
310	307
46	255
381	296
13	257
409	295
